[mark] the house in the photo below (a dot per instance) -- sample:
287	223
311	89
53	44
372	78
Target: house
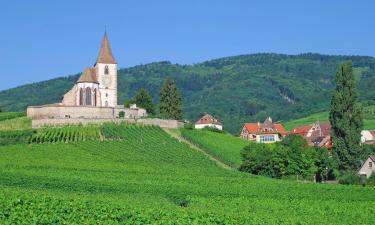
368	137
368	167
208	121
266	132
318	134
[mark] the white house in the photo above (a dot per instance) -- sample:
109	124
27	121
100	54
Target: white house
208	121
367	137
368	167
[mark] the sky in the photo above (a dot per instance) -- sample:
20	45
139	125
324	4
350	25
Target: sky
40	40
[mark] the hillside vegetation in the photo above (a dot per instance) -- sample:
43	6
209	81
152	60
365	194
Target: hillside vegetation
140	175
368	121
235	89
224	147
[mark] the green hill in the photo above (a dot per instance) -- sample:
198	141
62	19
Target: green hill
368	119
223	146
235	89
140	175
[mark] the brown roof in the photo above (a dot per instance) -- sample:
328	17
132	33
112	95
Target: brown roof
208	119
88	76
105	52
372	157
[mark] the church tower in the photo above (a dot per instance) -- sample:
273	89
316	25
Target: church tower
106	73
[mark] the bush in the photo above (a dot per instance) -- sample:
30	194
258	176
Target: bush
371	180
213	129
189	126
121	114
350	178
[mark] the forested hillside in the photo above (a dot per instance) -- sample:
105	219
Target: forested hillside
235	89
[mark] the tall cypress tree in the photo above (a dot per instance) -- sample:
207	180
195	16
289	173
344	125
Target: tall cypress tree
170	101
346	119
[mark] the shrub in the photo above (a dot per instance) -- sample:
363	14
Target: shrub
350	178
189	126
121	114
371	180
213	129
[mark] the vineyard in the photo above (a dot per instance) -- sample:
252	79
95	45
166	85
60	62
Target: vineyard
225	147
133	174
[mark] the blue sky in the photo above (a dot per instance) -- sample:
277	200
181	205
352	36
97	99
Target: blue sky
45	39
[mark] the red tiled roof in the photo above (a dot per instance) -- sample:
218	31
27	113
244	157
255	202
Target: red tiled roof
255	128
208	119
301	130
105	52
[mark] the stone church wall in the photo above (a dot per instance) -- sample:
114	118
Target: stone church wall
66	121
61	112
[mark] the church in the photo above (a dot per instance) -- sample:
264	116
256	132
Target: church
97	85
93	96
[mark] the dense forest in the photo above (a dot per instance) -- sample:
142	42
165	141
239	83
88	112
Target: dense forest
236	89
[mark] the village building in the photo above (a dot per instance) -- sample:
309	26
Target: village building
368	137
208	121
318	134
93	96
368	167
266	132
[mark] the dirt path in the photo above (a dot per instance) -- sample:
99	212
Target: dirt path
195	147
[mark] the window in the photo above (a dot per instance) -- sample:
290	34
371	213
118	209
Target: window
370	165
106	94
88	96
81	96
106	70
267	138
106	103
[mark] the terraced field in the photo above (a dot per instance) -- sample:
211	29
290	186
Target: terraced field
140	175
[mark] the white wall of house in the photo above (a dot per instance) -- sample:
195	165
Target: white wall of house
267	138
366	136
201	126
367	168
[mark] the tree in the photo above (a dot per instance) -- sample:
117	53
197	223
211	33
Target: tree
170	101
144	100
346	119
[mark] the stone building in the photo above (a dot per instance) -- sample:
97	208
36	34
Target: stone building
93	96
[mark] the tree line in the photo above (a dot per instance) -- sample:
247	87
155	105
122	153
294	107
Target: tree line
170	106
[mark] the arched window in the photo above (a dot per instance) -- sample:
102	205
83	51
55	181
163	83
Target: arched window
94	97
88	96
106	71
81	96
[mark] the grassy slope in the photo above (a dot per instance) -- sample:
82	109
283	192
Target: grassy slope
225	147
368	121
19	123
147	176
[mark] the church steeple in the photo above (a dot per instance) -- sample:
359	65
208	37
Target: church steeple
105	52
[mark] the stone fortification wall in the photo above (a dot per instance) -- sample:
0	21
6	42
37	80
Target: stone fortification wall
65	121
61	112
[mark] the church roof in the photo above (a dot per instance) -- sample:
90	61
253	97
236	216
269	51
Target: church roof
105	52
88	76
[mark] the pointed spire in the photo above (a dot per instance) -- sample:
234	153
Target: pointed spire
105	52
